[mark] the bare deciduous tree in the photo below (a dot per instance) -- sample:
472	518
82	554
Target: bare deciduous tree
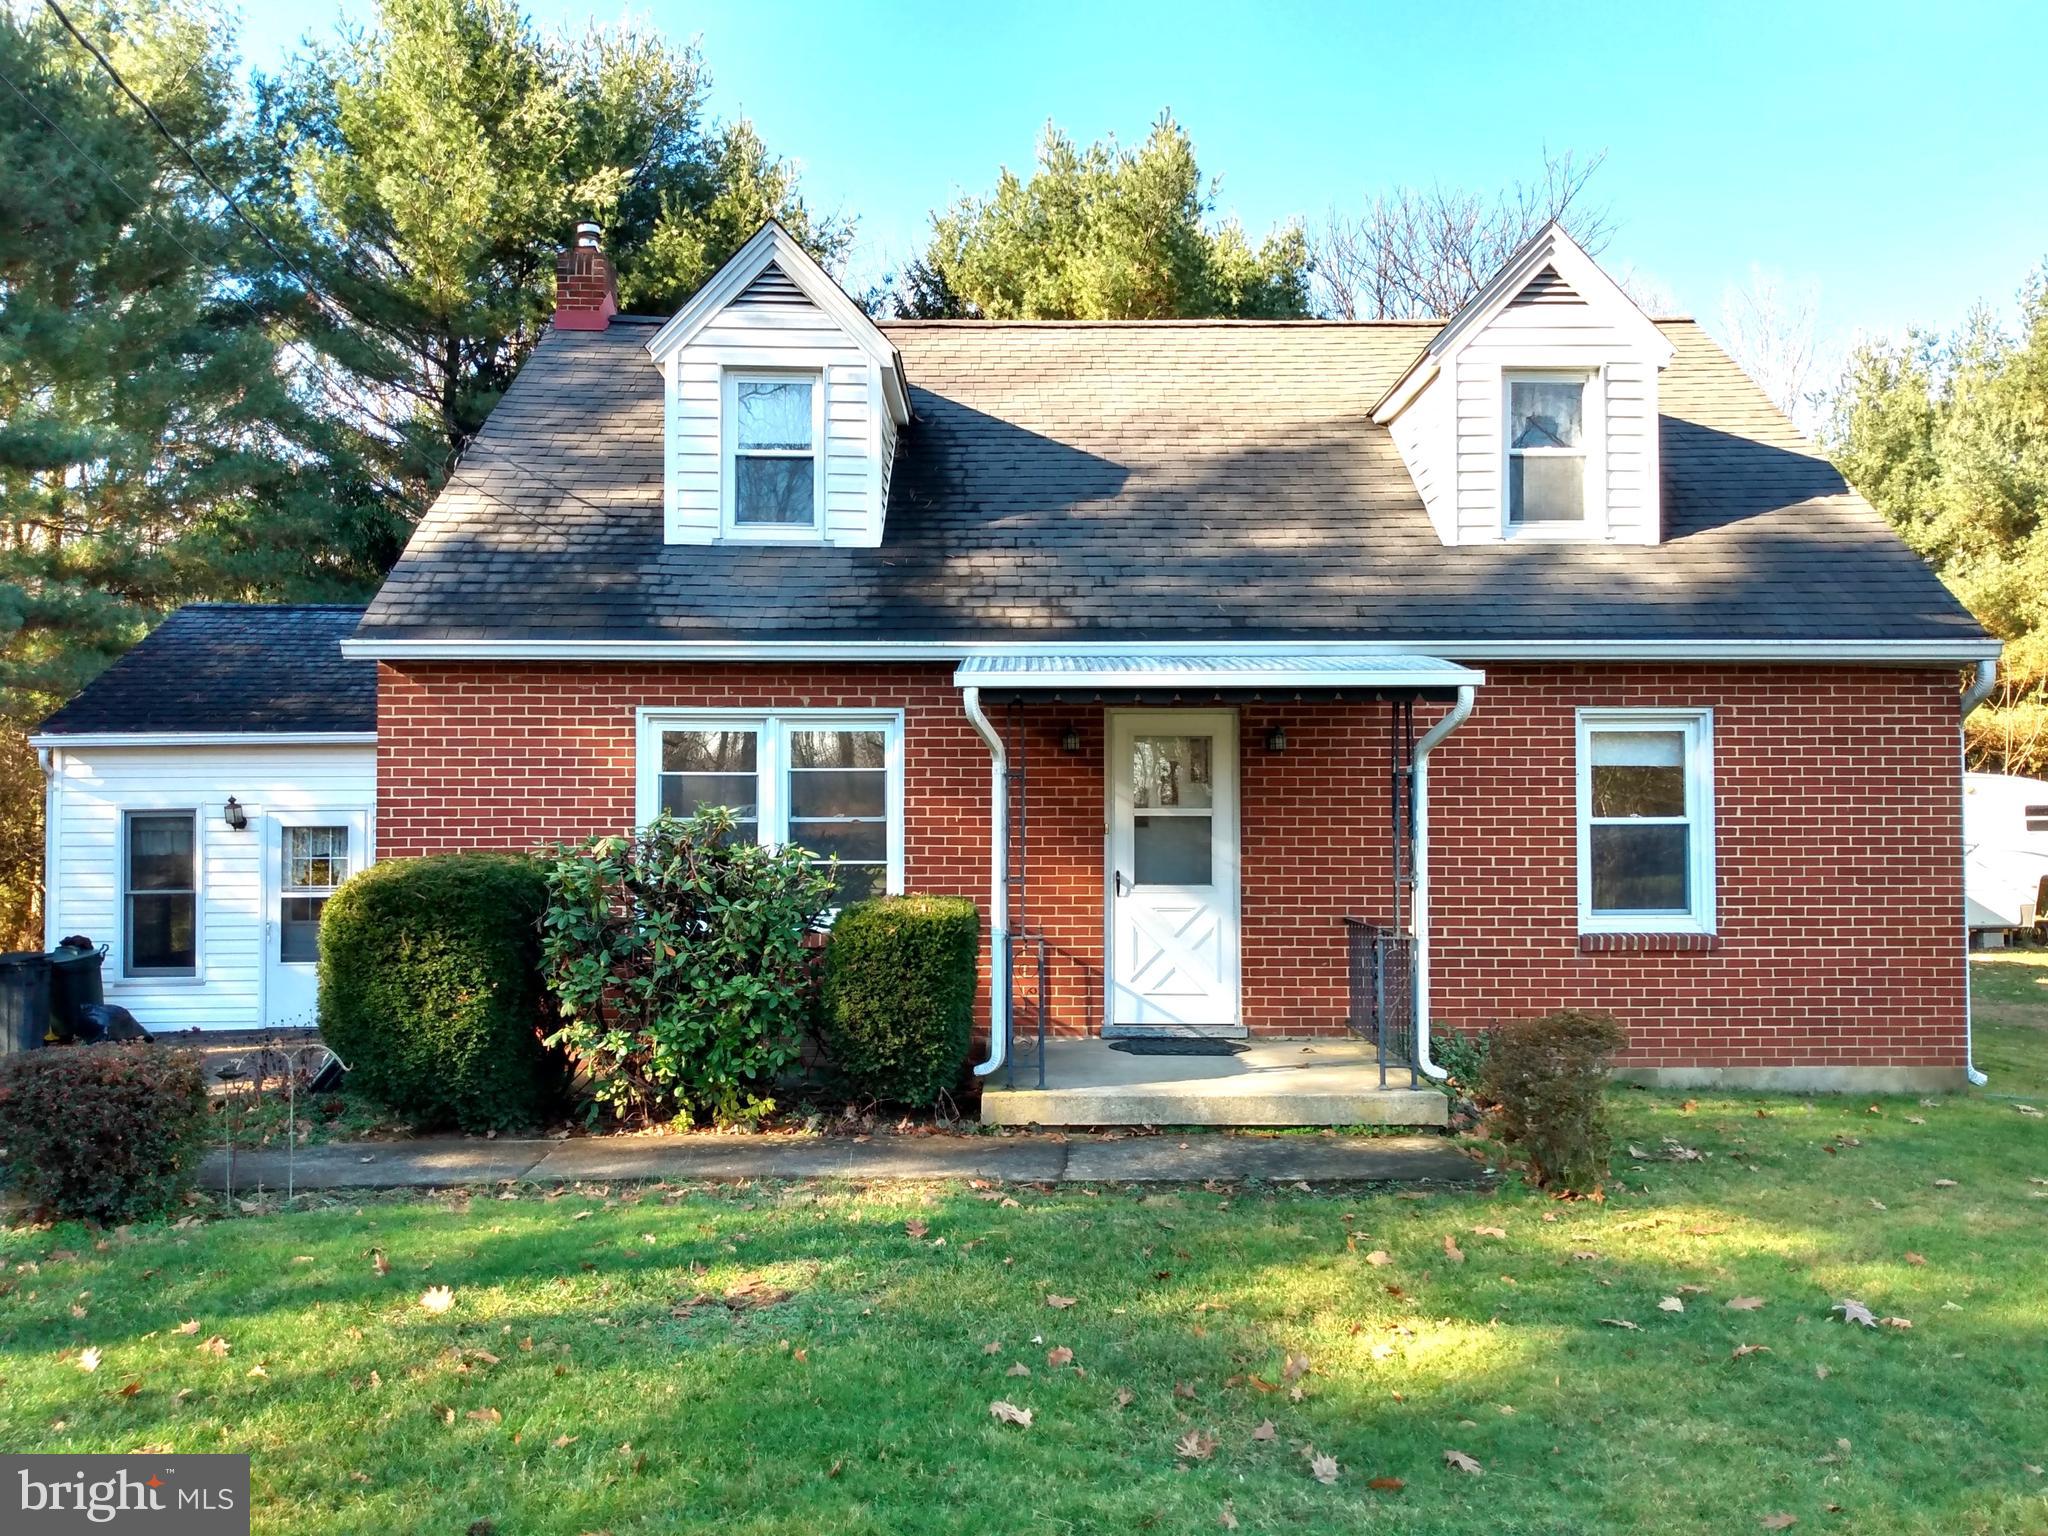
1420	253
1771	329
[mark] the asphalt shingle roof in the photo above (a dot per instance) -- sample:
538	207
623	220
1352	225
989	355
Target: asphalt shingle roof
232	667
1143	482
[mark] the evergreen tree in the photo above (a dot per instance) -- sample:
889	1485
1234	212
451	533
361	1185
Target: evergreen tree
443	157
1948	438
159	440
1104	233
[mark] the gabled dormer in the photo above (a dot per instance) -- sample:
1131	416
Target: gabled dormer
782	404
1533	413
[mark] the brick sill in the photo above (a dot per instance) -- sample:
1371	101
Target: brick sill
1648	943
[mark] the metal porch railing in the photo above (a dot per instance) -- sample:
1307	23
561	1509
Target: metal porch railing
1382	988
1031	946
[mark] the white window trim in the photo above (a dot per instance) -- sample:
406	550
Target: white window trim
772	728
158	976
1593	526
729	526
1698	726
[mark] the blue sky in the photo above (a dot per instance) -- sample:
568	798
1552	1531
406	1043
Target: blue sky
1891	157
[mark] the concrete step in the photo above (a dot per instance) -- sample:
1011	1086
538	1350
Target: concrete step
1181	1106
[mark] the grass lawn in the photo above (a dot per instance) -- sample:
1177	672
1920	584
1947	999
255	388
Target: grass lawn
798	1358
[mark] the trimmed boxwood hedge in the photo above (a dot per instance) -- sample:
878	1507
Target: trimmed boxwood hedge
430	989
897	1005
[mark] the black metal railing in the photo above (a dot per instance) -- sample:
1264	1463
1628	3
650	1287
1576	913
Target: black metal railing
1030	946
1382	1003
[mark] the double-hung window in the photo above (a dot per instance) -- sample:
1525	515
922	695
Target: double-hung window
1547	479
775	475
829	781
160	893
1646	821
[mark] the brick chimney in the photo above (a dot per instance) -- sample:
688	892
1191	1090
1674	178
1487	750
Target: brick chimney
586	288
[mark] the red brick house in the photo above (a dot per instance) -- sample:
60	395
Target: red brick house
1261	679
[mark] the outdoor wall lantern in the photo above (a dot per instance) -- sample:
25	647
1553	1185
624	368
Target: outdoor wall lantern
1070	740
233	814
1276	739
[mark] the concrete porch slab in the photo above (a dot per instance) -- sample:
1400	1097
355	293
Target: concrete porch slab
1273	1082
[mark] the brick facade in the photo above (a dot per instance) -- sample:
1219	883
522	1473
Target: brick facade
1837	811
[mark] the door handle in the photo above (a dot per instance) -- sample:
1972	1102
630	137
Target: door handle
1123	886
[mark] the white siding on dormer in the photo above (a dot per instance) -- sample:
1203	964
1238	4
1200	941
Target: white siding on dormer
767	327
1621	417
1422	433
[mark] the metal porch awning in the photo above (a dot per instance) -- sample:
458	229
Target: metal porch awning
1355	672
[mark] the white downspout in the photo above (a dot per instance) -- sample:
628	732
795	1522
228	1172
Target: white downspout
998	883
53	809
1420	770
1975	694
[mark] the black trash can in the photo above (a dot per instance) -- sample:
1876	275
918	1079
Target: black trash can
75	981
24	1001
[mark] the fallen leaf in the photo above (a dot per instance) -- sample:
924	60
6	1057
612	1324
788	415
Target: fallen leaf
563	1441
1059	1303
258	1370
1854	1312
1387	1484
1877	1203
1265	1431
131	1388
1489	1232
89	1358
1621	1322
1059	1356
378	1262
1125	1397
1944	1183
992	1347
1184	1389
1010	1413
1750	1349
1670	1304
1452	1250
1294	1368
1744	1303
1915	1120
1227	1519
1019	1369
1379	1257
1321	1467
1895	1322
439	1298
1778	1522
915	1228
1195	1445
486	1415
1821	1372
1463	1462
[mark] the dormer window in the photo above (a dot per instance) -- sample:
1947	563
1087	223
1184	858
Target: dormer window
1547	441
774	480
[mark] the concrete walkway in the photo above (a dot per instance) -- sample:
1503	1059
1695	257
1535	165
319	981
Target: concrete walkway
437	1162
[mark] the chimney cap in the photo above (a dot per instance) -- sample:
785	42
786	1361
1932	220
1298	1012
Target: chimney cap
588	233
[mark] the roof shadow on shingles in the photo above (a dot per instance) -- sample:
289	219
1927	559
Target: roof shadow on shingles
232	668
1713	479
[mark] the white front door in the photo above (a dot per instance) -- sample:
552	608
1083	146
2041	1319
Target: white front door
1173	869
308	855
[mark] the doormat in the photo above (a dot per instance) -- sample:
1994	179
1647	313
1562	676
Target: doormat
1172	1045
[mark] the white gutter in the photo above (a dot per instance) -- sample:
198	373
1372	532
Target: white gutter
207	739
1975	694
1875	652
1420	785
998	884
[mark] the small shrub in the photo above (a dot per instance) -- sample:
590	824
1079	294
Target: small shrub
1549	1077
1462	1054
106	1133
679	960
430	989
897	1012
